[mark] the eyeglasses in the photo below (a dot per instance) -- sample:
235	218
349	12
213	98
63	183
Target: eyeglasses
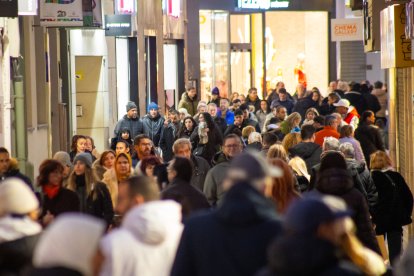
232	146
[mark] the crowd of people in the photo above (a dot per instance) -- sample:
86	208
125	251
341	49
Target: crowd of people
294	184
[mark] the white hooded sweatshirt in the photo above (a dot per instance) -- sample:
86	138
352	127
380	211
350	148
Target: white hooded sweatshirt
146	243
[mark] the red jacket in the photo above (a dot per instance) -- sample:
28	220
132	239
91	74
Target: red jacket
351	115
327	131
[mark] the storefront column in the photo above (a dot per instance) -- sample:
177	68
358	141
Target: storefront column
192	42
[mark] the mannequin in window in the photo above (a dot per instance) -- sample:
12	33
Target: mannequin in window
300	75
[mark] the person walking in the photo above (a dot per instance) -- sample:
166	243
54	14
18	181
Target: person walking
369	135
395	203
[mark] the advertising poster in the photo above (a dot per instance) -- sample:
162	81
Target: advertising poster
61	13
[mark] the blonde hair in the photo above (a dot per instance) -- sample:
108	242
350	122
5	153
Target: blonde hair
298	165
255	137
246	131
290	120
90	179
380	160
290	140
277	151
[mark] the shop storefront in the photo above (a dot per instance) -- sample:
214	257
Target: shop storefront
247	44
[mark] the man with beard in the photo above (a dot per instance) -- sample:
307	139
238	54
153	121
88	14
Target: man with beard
129	121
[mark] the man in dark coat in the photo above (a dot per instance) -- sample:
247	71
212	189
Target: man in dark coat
213	184
283	101
169	135
180	171
232	240
182	148
355	98
153	123
253	99
247	118
309	151
130	121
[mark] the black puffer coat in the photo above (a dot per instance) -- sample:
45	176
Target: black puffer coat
339	183
134	126
370	138
309	152
233	239
395	202
99	203
16	255
153	127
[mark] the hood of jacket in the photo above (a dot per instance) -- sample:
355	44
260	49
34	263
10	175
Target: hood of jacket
299	255
334	181
353	164
243	205
304	149
126	118
150	223
13	228
185	97
220	158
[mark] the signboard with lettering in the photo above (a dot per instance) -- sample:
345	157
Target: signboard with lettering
118	25
347	29
61	13
396	49
8	8
262	4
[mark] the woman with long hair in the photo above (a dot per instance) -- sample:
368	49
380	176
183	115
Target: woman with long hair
369	135
90	147
78	146
104	163
206	138
82	179
282	191
395	202
310	115
301	173
148	164
187	127
277	151
291	123
121	171
56	199
291	140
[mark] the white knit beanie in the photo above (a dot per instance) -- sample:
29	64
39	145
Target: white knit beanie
16	197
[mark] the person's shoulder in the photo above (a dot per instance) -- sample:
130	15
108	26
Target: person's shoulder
68	193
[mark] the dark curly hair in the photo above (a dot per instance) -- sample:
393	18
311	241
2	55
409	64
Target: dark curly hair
46	168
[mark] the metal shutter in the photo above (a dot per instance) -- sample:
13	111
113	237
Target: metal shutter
352	61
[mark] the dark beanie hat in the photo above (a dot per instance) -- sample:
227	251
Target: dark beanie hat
84	157
215	91
130	105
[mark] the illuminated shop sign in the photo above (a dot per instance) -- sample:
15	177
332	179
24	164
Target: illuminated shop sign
172	7
262	4
125	7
